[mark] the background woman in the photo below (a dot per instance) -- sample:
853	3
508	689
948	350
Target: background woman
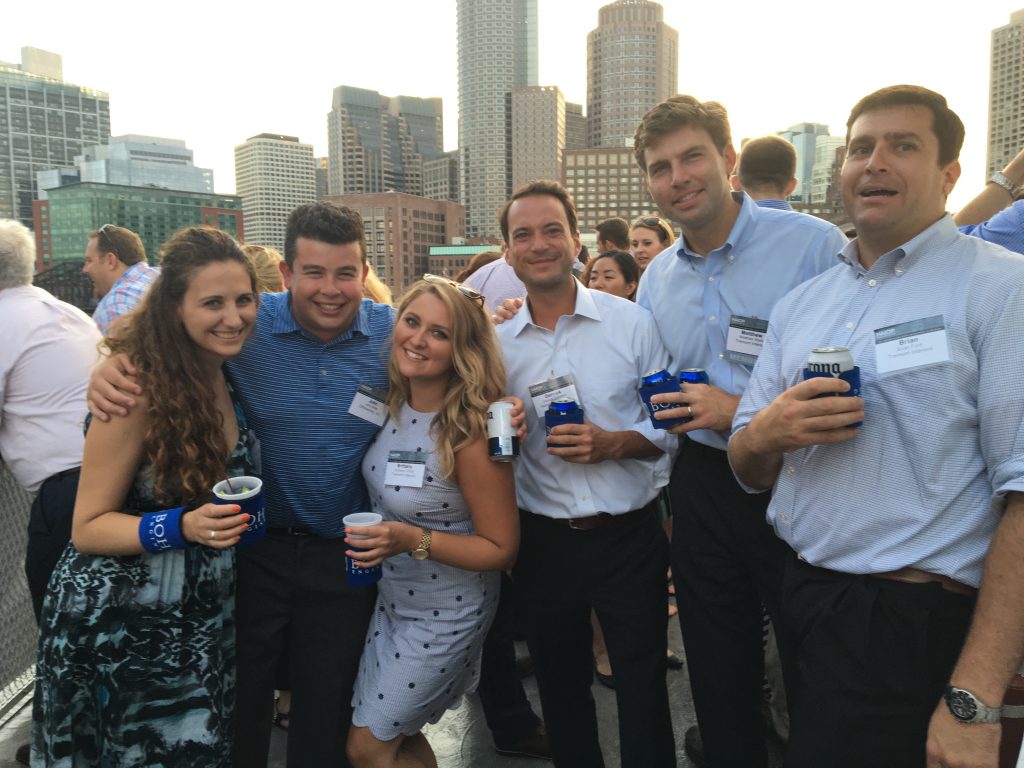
433	609
614	272
267	263
649	236
136	656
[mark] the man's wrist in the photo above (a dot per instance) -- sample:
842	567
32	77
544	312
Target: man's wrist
1000	179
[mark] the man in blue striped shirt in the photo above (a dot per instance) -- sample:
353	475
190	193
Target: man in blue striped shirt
897	523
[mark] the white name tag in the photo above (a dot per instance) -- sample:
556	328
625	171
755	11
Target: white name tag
910	345
546	392
370	404
406	468
745	339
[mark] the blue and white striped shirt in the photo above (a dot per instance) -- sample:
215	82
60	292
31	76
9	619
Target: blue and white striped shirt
920	484
693	297
296	391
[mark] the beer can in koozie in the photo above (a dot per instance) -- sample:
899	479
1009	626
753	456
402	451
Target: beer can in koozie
659	383
836	362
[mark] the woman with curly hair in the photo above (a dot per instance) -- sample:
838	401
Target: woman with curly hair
136	654
457	520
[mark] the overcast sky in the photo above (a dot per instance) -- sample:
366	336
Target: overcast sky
215	73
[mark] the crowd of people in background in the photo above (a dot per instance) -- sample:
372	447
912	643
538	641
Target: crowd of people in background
843	544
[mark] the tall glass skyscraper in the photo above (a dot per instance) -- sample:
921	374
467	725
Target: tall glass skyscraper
497	52
44	123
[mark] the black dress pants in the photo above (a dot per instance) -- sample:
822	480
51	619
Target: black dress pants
507	711
292	594
49	531
617	569
726	563
873	657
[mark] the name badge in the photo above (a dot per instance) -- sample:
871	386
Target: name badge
546	392
910	345
745	339
370	404
406	468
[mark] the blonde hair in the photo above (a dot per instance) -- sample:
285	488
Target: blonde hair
375	290
266	262
476	379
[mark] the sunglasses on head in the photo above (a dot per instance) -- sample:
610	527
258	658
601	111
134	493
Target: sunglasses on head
465	290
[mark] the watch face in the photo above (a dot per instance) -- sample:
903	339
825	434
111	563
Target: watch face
419	554
962	705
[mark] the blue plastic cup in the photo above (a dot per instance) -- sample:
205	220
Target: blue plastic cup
354	575
247	493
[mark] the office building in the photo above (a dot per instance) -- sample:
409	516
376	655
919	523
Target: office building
497	49
400	231
441	177
321	177
575	126
273	175
632	64
605	182
1006	94
829	152
379	143
69	213
538	133
132	161
44	123
804	137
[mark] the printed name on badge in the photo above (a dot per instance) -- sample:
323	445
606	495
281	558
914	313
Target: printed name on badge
406	468
911	345
546	392
745	339
370	404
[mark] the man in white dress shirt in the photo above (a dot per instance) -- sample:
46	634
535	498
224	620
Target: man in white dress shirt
590	536
48	350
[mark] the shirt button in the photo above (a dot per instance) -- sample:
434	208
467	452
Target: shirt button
583	497
872	283
849	325
899	271
323	371
711	279
784	517
721	357
732	258
712	318
790	470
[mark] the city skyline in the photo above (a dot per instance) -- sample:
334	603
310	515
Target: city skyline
231	76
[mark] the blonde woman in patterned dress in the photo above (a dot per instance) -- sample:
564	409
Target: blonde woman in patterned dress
433	610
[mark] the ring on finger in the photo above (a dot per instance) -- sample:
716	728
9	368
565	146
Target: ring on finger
213	534
689	410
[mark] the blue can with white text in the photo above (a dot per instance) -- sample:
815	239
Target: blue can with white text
562	411
659	383
692	376
836	362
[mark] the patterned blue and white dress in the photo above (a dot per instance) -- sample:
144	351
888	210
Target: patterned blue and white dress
423	646
136	661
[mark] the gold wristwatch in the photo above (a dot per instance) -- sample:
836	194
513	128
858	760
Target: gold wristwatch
422	552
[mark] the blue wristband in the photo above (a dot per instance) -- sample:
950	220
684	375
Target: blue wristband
159	531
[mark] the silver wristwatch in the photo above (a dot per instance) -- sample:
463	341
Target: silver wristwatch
966	707
1001	179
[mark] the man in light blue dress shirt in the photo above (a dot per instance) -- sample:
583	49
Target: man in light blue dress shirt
899	521
711	293
591	538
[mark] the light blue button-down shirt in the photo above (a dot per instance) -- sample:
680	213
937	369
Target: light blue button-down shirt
1006	228
693	297
607	344
920	484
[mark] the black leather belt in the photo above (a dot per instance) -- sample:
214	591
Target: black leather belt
599	520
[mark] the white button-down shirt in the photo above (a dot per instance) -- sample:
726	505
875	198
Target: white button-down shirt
48	351
607	345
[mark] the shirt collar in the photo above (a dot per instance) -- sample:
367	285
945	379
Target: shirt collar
747	214
781	205
899	260
585	307
284	321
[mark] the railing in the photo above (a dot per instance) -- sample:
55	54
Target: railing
18	624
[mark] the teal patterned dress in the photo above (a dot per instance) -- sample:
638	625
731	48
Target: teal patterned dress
136	661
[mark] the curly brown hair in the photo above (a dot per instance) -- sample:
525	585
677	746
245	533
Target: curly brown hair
184	443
